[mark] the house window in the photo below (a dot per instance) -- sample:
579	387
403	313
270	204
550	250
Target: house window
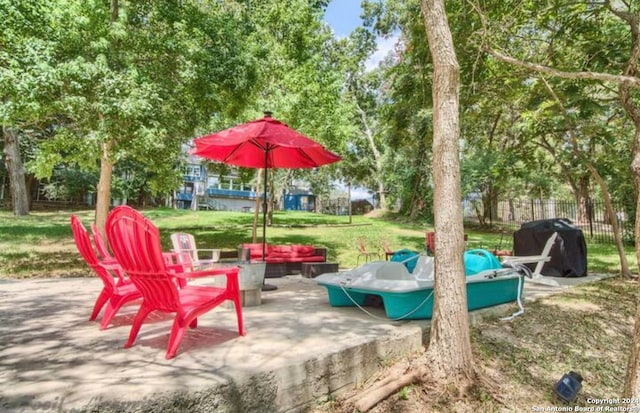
193	170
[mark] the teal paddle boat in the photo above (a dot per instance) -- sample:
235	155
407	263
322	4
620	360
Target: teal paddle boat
409	296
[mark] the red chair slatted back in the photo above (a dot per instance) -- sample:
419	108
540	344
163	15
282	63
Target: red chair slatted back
135	242
101	244
362	245
386	247
85	248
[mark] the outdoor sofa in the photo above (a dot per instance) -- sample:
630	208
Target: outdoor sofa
282	259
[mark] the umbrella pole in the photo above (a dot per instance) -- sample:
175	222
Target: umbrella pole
265	287
264	214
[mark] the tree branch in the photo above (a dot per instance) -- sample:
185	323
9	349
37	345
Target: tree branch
624	15
622	80
604	77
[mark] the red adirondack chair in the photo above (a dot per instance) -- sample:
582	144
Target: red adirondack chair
105	256
101	244
135	242
113	294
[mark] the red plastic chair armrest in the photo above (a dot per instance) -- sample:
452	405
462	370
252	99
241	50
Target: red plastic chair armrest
209	272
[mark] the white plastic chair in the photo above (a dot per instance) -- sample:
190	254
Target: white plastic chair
539	260
185	245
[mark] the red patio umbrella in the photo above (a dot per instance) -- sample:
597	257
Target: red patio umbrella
263	143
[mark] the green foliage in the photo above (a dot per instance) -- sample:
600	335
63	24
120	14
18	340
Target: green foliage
70	184
28	77
143	81
299	79
147	76
576	122
164	72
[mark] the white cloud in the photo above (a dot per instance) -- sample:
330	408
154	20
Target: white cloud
385	46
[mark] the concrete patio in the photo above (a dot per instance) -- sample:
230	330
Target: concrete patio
297	351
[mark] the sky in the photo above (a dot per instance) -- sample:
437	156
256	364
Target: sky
343	16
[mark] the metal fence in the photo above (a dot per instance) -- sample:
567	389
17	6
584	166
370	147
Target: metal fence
594	222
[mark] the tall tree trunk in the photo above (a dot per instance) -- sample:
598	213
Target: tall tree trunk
103	200
416	204
493	212
633	365
582	198
15	169
318	204
349	202
449	352
377	157
489	205
634	114
632	378
448	359
624	265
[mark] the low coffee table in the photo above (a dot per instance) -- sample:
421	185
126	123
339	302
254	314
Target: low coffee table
313	269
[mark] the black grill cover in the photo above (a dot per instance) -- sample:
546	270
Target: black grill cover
568	254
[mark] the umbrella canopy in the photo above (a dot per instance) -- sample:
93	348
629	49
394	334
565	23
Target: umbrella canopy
263	143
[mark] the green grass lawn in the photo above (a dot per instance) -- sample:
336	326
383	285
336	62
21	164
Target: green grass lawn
41	244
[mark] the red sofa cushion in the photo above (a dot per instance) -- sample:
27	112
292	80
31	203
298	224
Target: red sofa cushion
291	251
284	253
280	251
255	250
303	250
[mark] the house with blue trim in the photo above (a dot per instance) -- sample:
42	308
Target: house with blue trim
229	193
